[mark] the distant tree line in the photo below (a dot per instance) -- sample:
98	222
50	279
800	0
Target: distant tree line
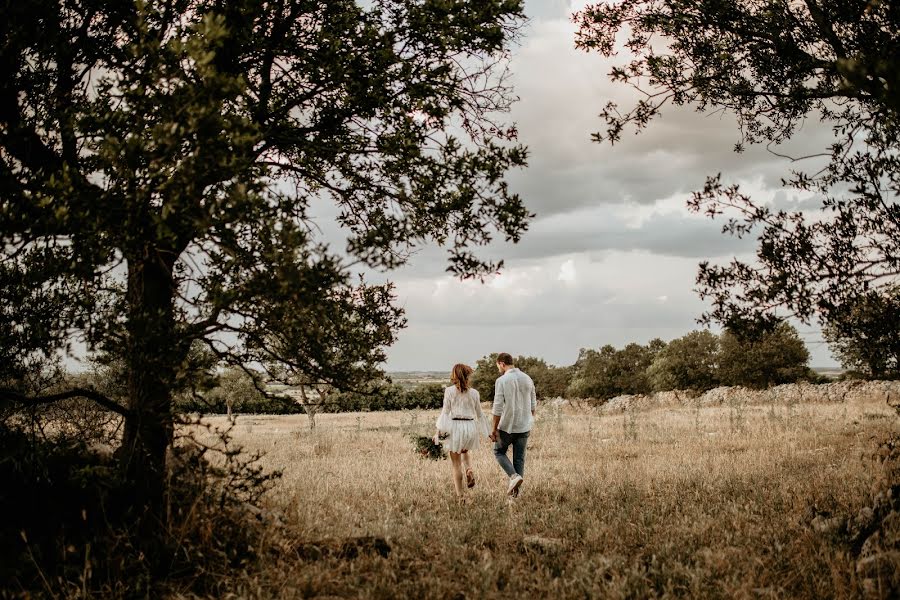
696	362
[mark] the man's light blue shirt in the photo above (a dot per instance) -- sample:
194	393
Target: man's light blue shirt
514	401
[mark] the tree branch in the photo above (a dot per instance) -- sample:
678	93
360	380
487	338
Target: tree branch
89	393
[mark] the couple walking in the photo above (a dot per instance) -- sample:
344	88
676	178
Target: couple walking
463	422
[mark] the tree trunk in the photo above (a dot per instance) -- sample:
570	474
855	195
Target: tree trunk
309	408
151	353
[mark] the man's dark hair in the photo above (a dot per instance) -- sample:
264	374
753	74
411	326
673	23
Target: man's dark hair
505	358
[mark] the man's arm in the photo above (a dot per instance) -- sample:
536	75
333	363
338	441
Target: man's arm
497	409
533	399
494	430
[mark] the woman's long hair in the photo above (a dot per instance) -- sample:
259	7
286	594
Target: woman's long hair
459	376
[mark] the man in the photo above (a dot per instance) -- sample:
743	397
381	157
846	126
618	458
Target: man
514	403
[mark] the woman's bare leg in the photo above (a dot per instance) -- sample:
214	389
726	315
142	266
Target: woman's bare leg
467	467
457	473
467	460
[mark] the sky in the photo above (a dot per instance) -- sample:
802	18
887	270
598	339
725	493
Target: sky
612	254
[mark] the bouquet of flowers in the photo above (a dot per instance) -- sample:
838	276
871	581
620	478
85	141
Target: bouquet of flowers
429	448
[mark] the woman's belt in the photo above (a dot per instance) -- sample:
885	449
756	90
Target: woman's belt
463	419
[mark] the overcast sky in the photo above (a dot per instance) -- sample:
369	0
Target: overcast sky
612	254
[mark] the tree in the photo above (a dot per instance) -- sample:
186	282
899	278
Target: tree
313	397
485	375
773	65
549	381
865	334
555	382
771	358
608	372
689	363
159	165
236	391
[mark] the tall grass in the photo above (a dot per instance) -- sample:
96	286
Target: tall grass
710	502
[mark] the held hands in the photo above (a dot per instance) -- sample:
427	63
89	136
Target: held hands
493	436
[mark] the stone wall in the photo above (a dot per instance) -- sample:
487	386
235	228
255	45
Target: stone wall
851	391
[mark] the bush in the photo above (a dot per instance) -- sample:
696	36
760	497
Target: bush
387	397
68	530
769	358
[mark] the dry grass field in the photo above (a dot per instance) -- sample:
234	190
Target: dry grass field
720	502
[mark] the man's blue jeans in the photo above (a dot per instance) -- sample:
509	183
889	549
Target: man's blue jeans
518	441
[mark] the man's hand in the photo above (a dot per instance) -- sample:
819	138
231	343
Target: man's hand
493	436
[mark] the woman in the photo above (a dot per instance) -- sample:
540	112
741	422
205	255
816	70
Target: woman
463	422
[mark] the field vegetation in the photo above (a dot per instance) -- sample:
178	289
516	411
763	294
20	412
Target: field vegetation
758	501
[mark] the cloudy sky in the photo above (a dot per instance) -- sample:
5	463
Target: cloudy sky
612	254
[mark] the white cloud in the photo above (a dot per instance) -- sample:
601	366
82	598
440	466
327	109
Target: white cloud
612	255
567	272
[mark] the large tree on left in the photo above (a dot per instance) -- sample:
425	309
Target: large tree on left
161	164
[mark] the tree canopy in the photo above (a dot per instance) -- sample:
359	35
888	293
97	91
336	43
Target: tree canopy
690	362
549	381
770	358
162	167
773	65
608	372
864	336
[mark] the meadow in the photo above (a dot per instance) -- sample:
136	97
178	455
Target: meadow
713	502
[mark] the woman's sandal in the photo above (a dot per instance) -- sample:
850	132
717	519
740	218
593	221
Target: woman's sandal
470	478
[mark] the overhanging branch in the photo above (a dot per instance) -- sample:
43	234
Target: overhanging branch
89	393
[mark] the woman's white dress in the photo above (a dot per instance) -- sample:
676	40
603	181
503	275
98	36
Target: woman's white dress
462	418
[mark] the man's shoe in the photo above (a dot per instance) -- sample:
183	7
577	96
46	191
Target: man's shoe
514	483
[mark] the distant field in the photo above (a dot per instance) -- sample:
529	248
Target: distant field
414	378
832	372
703	502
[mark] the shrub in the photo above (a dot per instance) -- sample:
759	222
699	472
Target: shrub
69	529
386	396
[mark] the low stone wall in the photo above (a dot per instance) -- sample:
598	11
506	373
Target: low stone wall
851	391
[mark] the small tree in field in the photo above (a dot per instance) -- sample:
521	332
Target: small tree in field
770	358
235	390
689	363
313	398
162	165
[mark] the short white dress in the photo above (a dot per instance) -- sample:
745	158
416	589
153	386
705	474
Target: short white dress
462	419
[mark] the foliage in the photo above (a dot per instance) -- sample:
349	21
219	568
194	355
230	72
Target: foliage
771	358
695	515
160	163
485	375
607	372
384	396
426	447
425	396
695	362
690	362
549	381
865	334
89	547
773	65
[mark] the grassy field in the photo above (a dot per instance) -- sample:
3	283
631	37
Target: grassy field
711	502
